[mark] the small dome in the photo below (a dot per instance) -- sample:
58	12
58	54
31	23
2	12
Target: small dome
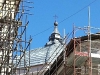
55	23
55	36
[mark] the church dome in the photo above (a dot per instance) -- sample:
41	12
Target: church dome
55	36
48	53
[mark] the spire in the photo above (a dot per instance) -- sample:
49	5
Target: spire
55	35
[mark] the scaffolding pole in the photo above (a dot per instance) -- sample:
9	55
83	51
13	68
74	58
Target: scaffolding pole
12	31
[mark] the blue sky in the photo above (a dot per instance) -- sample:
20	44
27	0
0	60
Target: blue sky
44	10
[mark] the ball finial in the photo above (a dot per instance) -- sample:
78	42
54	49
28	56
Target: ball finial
55	23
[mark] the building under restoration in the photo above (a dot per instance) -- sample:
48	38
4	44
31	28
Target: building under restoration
77	56
77	60
59	56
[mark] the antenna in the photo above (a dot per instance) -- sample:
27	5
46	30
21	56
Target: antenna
89	15
89	37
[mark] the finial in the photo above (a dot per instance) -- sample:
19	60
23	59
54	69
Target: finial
55	23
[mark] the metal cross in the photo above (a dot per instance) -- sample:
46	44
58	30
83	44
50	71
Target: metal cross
55	17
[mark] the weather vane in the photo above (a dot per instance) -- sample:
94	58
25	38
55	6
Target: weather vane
55	17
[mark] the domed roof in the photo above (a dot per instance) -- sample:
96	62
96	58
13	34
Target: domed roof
42	55
55	36
46	54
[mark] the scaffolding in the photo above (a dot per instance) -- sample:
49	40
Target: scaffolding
13	41
80	55
83	49
82	52
75	59
82	58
